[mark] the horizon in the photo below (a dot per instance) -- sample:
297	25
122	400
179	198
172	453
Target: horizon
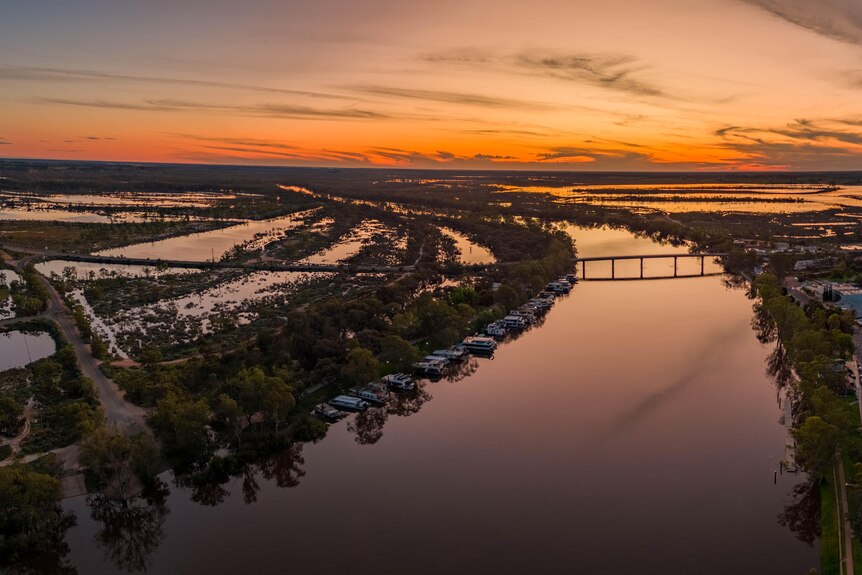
674	86
495	170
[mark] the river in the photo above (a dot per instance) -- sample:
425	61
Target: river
634	431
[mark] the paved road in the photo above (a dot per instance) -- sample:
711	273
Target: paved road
119	413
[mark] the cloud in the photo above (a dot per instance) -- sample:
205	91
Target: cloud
618	72
836	19
826	144
249	142
615	72
265	110
492	157
71	75
5	142
448	97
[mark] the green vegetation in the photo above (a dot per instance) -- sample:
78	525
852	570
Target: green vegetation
813	343
29	295
65	400
32	522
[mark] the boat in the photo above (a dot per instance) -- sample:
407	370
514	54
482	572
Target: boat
327	412
347	402
514	322
542	303
434	357
453	353
496	329
527	316
572	278
399	381
479	344
430	367
559	287
369	393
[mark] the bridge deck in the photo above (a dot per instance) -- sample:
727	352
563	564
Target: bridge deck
651	257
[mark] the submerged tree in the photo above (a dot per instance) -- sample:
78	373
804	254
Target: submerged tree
32	521
131	529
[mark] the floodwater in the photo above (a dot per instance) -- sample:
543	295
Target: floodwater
469	251
634	431
18	348
84	271
6	305
205	246
348	245
680	198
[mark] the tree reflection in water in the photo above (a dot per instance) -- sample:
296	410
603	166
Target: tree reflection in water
802	515
131	529
207	486
368	425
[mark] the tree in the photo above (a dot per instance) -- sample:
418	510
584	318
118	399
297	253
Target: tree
182	424
32	522
117	460
10	415
361	366
398	353
255	392
816	445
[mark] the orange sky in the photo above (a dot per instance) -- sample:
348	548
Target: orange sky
611	85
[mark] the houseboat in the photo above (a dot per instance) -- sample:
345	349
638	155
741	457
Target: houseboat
453	354
496	329
430	367
347	402
514	322
327	412
369	393
479	344
399	381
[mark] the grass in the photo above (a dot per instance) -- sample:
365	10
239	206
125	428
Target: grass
830	560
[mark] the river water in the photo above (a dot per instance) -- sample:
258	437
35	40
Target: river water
635	431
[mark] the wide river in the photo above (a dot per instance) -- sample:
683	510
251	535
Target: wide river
634	432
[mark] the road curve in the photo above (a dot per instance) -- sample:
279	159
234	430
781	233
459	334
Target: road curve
119	413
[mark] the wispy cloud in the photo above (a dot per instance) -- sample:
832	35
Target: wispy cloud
618	72
448	97
265	110
5	142
802	144
837	19
71	75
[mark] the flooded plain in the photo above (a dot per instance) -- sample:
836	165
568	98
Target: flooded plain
634	431
212	245
19	348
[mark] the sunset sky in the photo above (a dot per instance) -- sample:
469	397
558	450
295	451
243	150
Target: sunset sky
556	84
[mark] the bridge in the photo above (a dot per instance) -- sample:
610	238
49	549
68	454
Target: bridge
641	258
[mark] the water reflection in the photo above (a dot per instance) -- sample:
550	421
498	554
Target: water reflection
666	373
132	529
802	514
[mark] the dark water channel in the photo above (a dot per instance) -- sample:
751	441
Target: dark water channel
635	431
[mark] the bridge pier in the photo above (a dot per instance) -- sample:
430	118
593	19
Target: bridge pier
584	269
701	265
642	268
674	265
613	268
